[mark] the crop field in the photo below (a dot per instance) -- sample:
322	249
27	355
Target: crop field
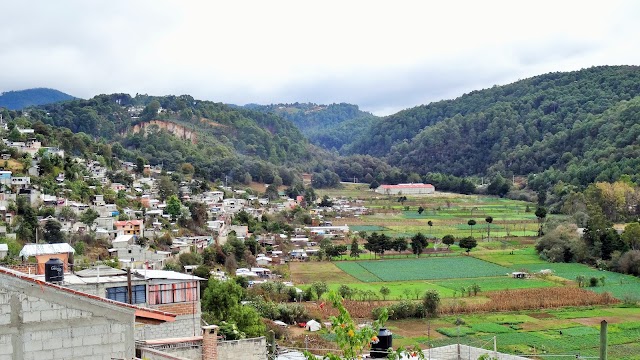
512	258
556	334
421	269
449	214
619	285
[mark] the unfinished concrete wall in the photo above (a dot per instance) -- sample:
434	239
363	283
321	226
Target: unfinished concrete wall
40	322
251	349
183	326
154	354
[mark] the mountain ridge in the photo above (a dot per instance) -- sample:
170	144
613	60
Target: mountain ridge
20	99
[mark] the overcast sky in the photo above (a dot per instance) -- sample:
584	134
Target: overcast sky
384	56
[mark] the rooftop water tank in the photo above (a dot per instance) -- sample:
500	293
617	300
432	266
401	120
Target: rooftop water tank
54	270
380	348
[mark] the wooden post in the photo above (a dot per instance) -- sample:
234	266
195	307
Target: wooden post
603	340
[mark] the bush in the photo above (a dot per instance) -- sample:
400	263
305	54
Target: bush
593	281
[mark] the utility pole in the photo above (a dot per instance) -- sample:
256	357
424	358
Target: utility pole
129	292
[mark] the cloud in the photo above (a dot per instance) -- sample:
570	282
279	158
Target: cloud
380	55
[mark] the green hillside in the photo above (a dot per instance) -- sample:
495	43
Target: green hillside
329	126
15	100
580	126
238	144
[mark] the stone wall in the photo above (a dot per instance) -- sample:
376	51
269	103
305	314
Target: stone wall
42	322
251	349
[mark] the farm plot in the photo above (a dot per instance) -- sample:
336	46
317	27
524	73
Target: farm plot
422	269
354	269
619	285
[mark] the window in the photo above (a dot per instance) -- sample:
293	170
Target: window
138	292
173	293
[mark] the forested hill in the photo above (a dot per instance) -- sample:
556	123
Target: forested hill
329	126
15	100
583	123
239	144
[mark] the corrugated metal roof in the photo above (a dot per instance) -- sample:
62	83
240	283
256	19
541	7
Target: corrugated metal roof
44	249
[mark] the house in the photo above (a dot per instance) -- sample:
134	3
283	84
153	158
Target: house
130	227
46	321
263	260
406	189
175	293
44	252
118	187
5	177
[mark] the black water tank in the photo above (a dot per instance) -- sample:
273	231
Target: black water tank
54	270
380	348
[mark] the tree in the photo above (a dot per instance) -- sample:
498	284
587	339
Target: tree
199	214
222	302
173	206
399	244
374	185
89	216
319	287
345	291
489	220
67	214
384	291
220	297
420	210
139	164
355	248
418	243
631	236
468	243
580	279
448	240
541	214
431	302
53	233
166	187
471	224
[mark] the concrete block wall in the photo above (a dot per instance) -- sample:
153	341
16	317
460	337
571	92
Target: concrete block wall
183	326
251	349
40	322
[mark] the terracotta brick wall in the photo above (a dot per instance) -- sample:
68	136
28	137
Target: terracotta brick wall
185	308
25	268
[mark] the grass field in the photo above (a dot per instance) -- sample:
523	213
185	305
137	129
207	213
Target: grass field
421	269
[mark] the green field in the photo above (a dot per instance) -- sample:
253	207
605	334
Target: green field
555	333
421	269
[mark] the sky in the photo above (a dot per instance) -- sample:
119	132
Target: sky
384	56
